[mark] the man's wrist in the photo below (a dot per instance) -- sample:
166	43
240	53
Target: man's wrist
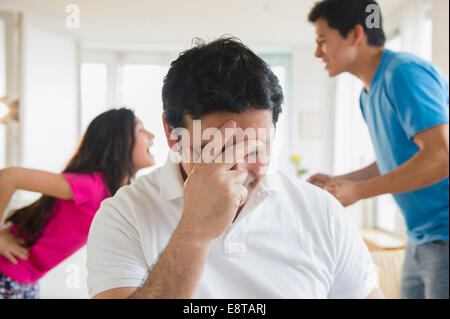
188	236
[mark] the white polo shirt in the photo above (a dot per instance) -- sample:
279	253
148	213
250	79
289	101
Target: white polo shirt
289	241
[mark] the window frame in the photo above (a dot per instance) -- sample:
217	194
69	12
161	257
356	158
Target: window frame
115	60
284	60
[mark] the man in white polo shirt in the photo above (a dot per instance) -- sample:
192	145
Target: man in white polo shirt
216	224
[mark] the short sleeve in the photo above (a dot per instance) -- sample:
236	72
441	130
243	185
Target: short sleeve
114	254
86	187
355	276
420	98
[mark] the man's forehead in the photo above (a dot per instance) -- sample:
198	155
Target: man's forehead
239	134
251	124
250	119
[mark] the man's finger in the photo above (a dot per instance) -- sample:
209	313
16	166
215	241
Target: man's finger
222	136
229	158
238	177
243	193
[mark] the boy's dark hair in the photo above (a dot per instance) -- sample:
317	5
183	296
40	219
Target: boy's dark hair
223	75
343	15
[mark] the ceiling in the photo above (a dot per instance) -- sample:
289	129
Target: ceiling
264	23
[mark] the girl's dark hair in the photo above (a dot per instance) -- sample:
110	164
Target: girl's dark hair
344	15
106	148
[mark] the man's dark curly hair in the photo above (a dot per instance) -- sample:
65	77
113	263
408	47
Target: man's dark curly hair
223	75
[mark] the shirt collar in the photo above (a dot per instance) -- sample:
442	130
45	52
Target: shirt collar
272	183
171	181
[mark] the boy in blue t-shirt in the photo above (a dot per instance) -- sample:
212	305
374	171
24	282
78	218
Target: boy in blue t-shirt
405	103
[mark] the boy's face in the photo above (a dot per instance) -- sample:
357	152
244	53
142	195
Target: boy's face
337	52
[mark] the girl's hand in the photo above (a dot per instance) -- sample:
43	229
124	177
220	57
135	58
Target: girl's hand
11	246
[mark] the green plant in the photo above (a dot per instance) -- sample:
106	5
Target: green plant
296	161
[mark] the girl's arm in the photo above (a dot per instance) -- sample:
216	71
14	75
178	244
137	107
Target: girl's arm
13	178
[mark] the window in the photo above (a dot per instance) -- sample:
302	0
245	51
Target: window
394	42
353	146
110	80
93	91
281	66
135	81
387	212
427	22
142	87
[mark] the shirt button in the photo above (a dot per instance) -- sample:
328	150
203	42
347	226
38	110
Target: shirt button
235	248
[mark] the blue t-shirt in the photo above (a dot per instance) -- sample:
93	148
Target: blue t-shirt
409	95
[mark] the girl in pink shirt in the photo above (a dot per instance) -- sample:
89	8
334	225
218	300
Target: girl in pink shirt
43	234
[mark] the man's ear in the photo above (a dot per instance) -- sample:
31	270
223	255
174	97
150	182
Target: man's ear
168	131
357	35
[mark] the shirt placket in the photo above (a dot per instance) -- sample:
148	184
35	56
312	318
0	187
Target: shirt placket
235	237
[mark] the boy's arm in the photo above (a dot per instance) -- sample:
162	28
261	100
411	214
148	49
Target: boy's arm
429	166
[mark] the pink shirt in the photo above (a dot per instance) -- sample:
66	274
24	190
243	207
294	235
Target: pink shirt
65	233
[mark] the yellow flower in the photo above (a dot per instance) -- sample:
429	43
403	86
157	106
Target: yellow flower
295	159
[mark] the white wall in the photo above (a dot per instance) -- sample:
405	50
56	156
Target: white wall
49	99
312	96
440	14
49	124
408	16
